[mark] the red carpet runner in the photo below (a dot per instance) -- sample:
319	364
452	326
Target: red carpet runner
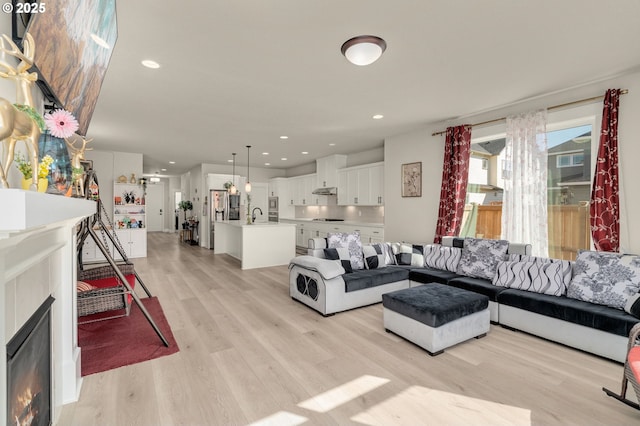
124	341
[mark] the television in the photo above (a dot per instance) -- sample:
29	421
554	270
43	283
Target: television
74	41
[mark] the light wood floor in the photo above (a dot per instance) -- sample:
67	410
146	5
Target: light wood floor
250	354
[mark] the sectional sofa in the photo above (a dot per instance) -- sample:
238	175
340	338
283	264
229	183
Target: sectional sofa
590	304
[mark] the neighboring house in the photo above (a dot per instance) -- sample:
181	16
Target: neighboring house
485	175
569	175
568	168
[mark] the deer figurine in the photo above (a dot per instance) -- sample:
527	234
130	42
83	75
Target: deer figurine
20	122
77	154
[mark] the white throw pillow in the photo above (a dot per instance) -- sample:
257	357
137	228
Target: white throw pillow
442	257
373	256
535	276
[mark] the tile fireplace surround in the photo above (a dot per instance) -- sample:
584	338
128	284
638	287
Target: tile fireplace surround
37	259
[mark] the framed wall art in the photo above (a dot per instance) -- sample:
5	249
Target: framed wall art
412	179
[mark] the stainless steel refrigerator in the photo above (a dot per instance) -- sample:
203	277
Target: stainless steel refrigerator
219	211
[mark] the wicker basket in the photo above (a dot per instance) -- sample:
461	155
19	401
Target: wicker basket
104	299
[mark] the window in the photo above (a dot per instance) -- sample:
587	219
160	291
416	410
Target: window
570	160
569	178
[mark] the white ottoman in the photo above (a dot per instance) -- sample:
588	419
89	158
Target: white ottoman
436	316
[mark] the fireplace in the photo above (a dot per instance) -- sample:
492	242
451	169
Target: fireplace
29	370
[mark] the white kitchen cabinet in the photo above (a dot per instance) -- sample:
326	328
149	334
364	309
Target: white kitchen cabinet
301	188
376	184
280	187
361	185
303	233
343	184
327	170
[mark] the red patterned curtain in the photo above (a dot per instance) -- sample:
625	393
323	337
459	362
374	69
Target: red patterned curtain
455	175
605	203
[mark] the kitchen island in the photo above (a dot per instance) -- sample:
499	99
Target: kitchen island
258	245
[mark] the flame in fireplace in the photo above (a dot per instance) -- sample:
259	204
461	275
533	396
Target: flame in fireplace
27	403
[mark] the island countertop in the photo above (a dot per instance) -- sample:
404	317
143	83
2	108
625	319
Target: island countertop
257	245
242	223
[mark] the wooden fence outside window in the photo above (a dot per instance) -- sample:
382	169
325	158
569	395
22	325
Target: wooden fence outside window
568	227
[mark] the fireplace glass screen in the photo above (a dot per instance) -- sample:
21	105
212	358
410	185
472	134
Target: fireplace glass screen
29	371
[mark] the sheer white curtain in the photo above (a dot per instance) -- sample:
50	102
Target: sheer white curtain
524	208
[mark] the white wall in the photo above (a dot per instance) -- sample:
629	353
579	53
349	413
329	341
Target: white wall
414	219
108	167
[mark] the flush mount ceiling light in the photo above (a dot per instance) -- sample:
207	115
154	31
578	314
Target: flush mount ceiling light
363	50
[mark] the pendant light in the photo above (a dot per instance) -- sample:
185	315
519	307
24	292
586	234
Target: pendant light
247	187
233	188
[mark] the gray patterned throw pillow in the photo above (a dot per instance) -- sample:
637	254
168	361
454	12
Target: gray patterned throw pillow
604	278
480	257
350	241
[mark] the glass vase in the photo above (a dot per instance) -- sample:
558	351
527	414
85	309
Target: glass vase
60	173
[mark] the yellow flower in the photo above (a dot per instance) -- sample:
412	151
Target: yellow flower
25	166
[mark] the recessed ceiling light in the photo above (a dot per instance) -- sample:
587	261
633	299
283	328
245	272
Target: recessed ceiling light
172	162
150	64
267	164
284	158
304	152
332	144
284	137
163	170
378	116
100	41
265	153
229	161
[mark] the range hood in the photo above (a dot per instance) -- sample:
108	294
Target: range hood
331	190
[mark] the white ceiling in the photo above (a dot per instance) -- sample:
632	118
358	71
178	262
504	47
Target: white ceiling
245	72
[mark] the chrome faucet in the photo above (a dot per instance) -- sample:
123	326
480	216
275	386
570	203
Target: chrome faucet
253	213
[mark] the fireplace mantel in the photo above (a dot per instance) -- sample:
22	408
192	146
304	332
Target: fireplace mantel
25	210
38	260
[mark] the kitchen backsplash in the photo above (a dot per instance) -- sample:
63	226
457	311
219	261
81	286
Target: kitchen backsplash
365	214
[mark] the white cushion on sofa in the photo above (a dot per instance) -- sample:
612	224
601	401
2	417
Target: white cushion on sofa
408	254
535	276
442	257
374	257
563	276
604	278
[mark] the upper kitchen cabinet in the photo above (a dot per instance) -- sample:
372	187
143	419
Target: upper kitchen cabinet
361	185
327	170
301	188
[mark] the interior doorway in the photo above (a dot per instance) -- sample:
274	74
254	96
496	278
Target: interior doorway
155	207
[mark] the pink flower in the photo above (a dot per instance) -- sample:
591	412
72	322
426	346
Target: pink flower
61	123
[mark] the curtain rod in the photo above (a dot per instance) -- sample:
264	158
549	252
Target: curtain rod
496	120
